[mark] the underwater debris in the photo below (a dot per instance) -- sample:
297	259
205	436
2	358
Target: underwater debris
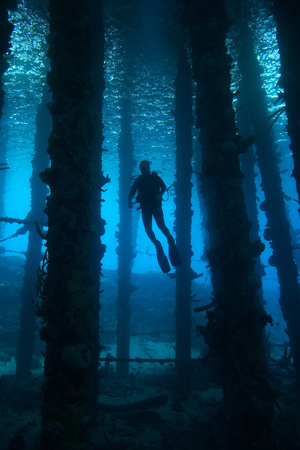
5	166
243	143
286	357
276	114
40	233
150	402
104	181
204	307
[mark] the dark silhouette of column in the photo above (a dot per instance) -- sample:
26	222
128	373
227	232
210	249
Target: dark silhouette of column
286	14
28	326
98	180
65	282
183	221
124	236
248	168
234	328
274	206
6	29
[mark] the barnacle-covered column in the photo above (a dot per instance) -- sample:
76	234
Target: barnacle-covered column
278	228
98	180
286	14
124	249
6	29
234	328
65	287
39	190
183	221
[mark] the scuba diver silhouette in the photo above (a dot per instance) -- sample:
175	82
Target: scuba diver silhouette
150	188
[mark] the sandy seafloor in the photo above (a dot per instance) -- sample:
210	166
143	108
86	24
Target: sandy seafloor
126	420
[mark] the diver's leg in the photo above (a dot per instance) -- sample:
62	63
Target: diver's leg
161	257
173	252
159	219
147	221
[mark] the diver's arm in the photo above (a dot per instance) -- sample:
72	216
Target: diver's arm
162	189
162	186
132	193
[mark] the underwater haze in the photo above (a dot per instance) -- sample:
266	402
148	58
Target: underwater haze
140	62
144	55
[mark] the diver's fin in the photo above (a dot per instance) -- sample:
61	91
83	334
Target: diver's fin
174	254
161	258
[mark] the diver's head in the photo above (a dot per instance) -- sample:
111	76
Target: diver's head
145	167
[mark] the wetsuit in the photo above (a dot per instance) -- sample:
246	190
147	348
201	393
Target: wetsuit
150	188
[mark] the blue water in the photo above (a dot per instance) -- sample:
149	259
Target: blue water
142	62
